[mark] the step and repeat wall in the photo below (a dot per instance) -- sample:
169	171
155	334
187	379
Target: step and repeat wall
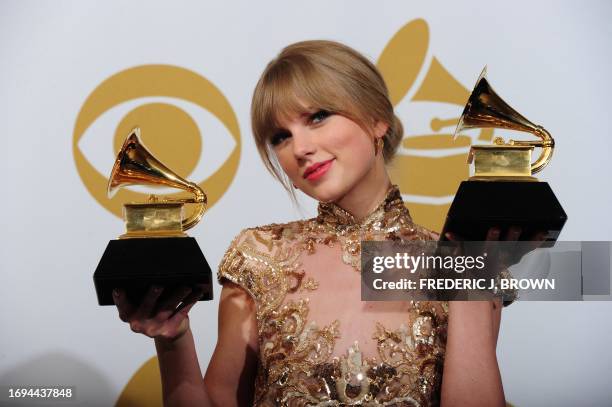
75	77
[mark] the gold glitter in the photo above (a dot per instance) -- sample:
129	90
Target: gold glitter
310	284
296	366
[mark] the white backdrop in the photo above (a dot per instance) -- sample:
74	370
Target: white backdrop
551	60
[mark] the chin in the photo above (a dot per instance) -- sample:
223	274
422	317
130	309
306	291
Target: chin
327	191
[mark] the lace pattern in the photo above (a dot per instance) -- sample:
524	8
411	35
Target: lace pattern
297	362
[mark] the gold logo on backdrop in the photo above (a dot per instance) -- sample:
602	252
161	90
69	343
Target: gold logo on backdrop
422	169
168	130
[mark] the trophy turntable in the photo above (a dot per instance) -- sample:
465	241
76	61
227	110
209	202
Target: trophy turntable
155	249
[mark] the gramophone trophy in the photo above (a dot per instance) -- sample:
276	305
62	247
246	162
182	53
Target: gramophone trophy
503	191
155	249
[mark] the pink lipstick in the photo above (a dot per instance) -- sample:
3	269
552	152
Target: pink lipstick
317	170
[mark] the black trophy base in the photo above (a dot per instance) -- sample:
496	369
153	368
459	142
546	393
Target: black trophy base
136	264
480	205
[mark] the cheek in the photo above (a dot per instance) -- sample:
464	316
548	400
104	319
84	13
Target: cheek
287	163
354	148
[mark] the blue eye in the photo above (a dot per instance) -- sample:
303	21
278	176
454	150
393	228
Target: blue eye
319	116
279	137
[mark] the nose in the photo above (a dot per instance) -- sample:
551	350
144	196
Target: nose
303	144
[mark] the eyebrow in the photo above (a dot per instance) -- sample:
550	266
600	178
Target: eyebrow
305	114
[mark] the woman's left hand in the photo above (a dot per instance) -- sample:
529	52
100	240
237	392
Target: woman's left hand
511	253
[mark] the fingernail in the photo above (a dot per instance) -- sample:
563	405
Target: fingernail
156	289
116	292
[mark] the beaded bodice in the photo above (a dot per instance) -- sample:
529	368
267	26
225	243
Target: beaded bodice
319	344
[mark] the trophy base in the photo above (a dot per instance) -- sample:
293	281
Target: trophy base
137	263
480	205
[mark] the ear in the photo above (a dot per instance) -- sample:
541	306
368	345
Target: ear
380	129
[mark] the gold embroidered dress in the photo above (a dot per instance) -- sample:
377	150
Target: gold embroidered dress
319	344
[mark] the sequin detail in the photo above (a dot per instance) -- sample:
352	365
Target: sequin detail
297	363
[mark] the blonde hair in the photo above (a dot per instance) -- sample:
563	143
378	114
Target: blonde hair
323	75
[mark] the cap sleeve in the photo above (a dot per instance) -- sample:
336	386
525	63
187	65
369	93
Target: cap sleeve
253	264
234	266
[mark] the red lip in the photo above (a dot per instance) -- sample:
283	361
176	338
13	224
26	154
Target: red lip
317	170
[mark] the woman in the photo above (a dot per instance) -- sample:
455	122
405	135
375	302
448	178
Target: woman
292	327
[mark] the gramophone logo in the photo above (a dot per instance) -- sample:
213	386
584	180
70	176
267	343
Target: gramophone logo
168	130
429	165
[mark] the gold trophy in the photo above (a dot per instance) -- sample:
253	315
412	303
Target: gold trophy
155	249
503	191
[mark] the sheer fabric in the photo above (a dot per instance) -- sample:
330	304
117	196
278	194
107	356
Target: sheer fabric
319	344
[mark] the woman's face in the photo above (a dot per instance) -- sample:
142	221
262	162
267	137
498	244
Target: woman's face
325	155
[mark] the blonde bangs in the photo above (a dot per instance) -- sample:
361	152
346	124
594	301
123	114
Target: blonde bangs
289	89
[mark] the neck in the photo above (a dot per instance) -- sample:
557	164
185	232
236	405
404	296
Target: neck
368	193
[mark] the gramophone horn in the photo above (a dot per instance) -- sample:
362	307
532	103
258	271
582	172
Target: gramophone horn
135	165
486	109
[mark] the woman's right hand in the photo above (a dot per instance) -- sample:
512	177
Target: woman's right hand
160	317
